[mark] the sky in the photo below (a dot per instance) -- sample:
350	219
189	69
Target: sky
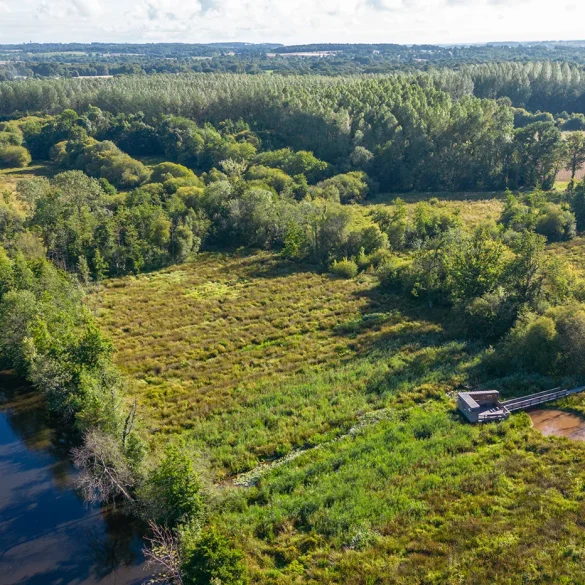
291	21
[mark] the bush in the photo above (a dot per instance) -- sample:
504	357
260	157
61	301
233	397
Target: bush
15	156
350	188
103	160
344	268
556	224
173	491
432	219
275	178
574	123
531	345
551	344
212	560
360	157
490	316
10	135
168	170
293	163
570	324
393	273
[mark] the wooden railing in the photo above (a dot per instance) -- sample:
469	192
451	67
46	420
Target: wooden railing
538	398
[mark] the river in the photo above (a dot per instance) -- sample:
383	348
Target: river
47	535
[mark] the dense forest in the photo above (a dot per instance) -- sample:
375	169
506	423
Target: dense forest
406	133
298	273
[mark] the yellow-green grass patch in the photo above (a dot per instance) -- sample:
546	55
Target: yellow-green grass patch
251	356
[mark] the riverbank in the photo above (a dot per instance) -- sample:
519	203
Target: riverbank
47	534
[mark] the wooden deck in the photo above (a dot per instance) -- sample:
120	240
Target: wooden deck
525	402
485	406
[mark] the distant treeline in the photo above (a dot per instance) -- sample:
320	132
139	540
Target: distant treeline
79	59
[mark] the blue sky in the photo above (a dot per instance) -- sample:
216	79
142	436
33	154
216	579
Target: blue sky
290	21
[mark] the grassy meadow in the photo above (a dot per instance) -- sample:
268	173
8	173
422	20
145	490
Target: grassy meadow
419	498
9	177
389	485
251	357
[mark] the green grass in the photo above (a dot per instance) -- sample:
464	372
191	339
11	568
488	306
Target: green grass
573	252
475	208
9	177
420	498
251	357
416	196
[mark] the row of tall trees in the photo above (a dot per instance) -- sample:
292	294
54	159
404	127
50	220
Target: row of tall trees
403	132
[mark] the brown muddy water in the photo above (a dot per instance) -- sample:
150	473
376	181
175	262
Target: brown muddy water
558	423
47	535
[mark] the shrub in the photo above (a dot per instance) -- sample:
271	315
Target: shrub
15	156
173	491
490	316
392	273
578	206
213	559
172	185
556	224
103	160
574	123
168	170
275	178
344	268
532	345
293	163
394	223
360	157
10	135
351	187
432	219
570	324
380	257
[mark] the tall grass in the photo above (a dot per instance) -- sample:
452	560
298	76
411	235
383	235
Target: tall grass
251	357
420	498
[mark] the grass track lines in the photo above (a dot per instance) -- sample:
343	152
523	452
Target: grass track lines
197	332
252	357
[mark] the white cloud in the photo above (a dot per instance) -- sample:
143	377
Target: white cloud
86	8
289	21
68	10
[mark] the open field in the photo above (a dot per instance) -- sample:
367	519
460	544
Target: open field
565	176
419	498
9	177
573	252
474	208
251	357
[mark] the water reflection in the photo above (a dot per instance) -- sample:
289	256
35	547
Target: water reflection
47	535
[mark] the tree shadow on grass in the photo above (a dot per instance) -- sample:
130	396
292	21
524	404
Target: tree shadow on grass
437	347
37	169
424	351
259	264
